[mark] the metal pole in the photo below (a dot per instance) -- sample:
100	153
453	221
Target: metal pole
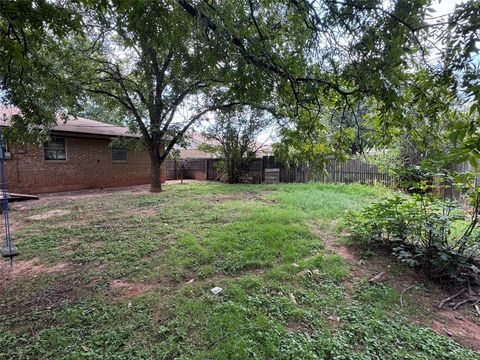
9	249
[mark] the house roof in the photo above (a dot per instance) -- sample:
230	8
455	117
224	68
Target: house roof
73	125
197	138
194	139
195	154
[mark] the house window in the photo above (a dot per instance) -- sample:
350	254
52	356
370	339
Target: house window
119	154
55	149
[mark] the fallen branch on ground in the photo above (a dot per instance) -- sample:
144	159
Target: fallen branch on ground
444	301
472	297
460	303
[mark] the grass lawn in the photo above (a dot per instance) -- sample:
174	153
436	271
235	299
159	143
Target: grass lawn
128	275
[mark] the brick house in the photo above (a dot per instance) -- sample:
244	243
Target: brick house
78	157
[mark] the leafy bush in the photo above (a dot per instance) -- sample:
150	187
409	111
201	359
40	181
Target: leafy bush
424	231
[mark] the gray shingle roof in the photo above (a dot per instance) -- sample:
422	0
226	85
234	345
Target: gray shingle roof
78	125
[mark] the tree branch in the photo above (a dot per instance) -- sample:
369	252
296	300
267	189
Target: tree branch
192	120
159	83
172	108
271	66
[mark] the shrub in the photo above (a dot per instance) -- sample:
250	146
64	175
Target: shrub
424	231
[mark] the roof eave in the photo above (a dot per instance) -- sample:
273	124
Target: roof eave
90	135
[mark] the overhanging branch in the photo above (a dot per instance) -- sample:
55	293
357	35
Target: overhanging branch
192	120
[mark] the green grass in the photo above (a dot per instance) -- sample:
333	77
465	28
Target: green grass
251	240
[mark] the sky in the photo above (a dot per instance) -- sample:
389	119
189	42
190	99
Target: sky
444	7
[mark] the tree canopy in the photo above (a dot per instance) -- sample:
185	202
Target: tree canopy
33	77
162	66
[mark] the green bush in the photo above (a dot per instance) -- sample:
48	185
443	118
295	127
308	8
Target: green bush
426	232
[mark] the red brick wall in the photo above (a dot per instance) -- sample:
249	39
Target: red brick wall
89	165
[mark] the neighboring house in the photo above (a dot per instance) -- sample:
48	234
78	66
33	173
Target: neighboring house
195	139
79	156
264	149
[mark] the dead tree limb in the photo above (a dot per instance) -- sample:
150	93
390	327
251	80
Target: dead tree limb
444	301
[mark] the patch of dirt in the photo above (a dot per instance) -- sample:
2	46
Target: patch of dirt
459	328
26	303
130	289
71	223
331	244
48	214
348	253
54	199
345	252
295	326
15	225
30	268
461	323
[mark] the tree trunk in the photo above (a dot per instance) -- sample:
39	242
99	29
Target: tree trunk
231	171
155	181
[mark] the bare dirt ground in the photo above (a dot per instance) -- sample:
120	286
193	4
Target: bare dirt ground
29	268
128	289
53	202
47	215
55	198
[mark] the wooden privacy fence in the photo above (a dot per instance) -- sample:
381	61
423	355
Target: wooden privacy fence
194	169
353	170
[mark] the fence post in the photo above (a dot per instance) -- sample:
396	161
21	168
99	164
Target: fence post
261	170
206	168
334	171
